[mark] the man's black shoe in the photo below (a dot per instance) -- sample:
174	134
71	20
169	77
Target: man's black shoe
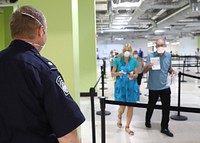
167	132
148	124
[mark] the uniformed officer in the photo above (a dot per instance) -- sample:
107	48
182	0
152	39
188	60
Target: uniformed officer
35	104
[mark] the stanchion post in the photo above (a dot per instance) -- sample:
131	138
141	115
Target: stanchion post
179	62
179	93
92	94
188	61
103	124
104	66
183	72
179	117
102	81
197	65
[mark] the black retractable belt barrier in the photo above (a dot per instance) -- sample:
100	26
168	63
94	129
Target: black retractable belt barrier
103	124
104	66
144	105
183	72
179	117
188	63
92	94
179	61
194	110
197	65
103	103
102	81
102	113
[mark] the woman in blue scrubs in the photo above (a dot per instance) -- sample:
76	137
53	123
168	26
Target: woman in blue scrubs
125	69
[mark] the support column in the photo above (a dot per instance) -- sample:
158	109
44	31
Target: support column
198	42
87	39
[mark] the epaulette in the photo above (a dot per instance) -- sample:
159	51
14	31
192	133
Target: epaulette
51	66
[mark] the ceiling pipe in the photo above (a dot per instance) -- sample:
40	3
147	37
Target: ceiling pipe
139	11
145	6
125	5
180	14
138	34
109	7
166	5
172	19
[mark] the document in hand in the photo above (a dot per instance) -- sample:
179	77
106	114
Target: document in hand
156	63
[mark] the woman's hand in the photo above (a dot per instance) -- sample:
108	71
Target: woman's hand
132	75
120	73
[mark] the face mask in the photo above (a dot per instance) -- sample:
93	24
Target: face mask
160	50
126	54
37	45
135	56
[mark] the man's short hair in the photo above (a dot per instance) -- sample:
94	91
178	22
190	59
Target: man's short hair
25	21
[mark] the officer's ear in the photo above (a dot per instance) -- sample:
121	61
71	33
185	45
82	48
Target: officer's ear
41	31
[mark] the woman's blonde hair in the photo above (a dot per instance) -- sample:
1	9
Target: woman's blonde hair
127	47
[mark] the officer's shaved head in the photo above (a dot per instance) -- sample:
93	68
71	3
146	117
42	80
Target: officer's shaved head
25	21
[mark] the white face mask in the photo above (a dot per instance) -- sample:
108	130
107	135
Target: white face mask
126	54
160	50
40	47
135	56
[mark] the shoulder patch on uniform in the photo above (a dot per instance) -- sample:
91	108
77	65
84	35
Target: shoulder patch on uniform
62	85
47	62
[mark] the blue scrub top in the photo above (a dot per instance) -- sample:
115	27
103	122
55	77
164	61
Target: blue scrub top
126	90
158	78
35	104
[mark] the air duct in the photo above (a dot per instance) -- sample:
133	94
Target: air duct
145	5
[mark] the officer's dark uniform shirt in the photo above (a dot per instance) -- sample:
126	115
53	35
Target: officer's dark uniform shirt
35	104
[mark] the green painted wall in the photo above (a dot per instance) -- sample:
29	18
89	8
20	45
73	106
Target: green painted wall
87	39
5	37
7	13
67	29
62	44
2	32
198	41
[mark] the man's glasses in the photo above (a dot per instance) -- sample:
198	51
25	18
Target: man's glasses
162	45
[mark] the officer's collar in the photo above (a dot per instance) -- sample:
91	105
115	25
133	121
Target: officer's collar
23	44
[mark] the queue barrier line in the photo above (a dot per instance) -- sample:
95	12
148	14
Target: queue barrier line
144	105
104	101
